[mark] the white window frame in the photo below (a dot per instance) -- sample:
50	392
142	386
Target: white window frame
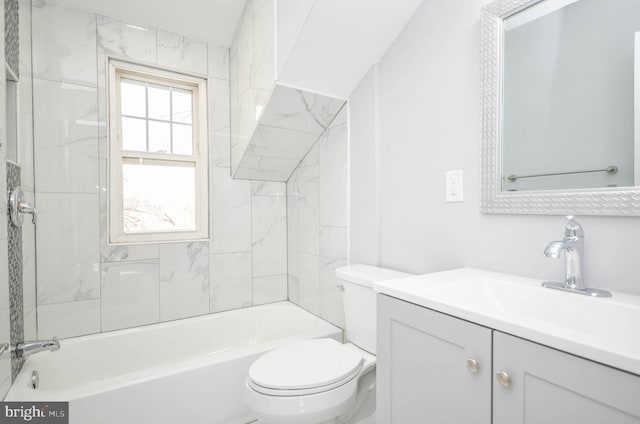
117	156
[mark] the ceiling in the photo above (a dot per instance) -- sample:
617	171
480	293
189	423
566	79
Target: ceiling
207	20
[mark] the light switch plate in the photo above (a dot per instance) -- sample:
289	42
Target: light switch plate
454	186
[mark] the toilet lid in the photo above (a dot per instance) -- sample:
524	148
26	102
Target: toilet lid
306	365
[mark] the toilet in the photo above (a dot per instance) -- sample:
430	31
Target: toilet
322	380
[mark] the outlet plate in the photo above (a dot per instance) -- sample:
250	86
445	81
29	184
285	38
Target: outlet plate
454	186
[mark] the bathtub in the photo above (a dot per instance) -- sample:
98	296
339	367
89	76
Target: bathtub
186	371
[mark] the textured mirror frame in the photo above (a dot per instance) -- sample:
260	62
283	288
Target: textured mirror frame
602	201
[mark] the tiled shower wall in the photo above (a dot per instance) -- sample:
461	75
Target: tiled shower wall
25	159
14	237
5	360
11	33
86	286
317	224
17	245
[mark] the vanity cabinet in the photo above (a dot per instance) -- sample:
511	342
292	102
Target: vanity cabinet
422	370
553	387
426	373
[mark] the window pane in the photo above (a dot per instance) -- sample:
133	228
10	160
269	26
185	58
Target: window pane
134	134
159	137
159	101
182	139
133	98
158	197
182	105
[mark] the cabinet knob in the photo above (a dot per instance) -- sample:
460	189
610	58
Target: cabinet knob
503	378
473	365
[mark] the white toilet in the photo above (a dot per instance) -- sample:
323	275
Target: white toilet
322	380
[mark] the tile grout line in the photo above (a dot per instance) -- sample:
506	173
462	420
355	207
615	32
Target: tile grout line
251	227
99	182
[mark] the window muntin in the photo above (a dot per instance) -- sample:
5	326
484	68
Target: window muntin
158	156
156	118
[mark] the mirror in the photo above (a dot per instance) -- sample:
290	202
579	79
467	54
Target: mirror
560	85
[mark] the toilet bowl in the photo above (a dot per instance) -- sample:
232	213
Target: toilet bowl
308	382
324	381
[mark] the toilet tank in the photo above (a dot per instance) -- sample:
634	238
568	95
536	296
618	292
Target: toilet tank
360	301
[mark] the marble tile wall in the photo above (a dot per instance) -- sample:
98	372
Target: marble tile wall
317	224
269	241
252	71
26	161
273	126
291	122
17	245
86	286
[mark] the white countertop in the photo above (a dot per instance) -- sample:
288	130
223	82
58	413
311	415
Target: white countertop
605	330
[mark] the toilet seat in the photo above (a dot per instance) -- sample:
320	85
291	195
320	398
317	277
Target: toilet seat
305	368
332	395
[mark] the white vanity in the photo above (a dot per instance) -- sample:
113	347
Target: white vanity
470	346
475	347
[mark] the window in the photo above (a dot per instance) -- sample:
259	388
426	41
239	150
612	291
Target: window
158	156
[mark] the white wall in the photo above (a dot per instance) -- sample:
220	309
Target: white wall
86	286
364	172
429	122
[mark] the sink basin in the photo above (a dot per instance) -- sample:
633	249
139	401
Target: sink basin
606	330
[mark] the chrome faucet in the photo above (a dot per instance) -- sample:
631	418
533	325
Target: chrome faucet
25	349
572	244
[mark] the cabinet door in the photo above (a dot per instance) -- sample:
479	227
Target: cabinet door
552	387
422	369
